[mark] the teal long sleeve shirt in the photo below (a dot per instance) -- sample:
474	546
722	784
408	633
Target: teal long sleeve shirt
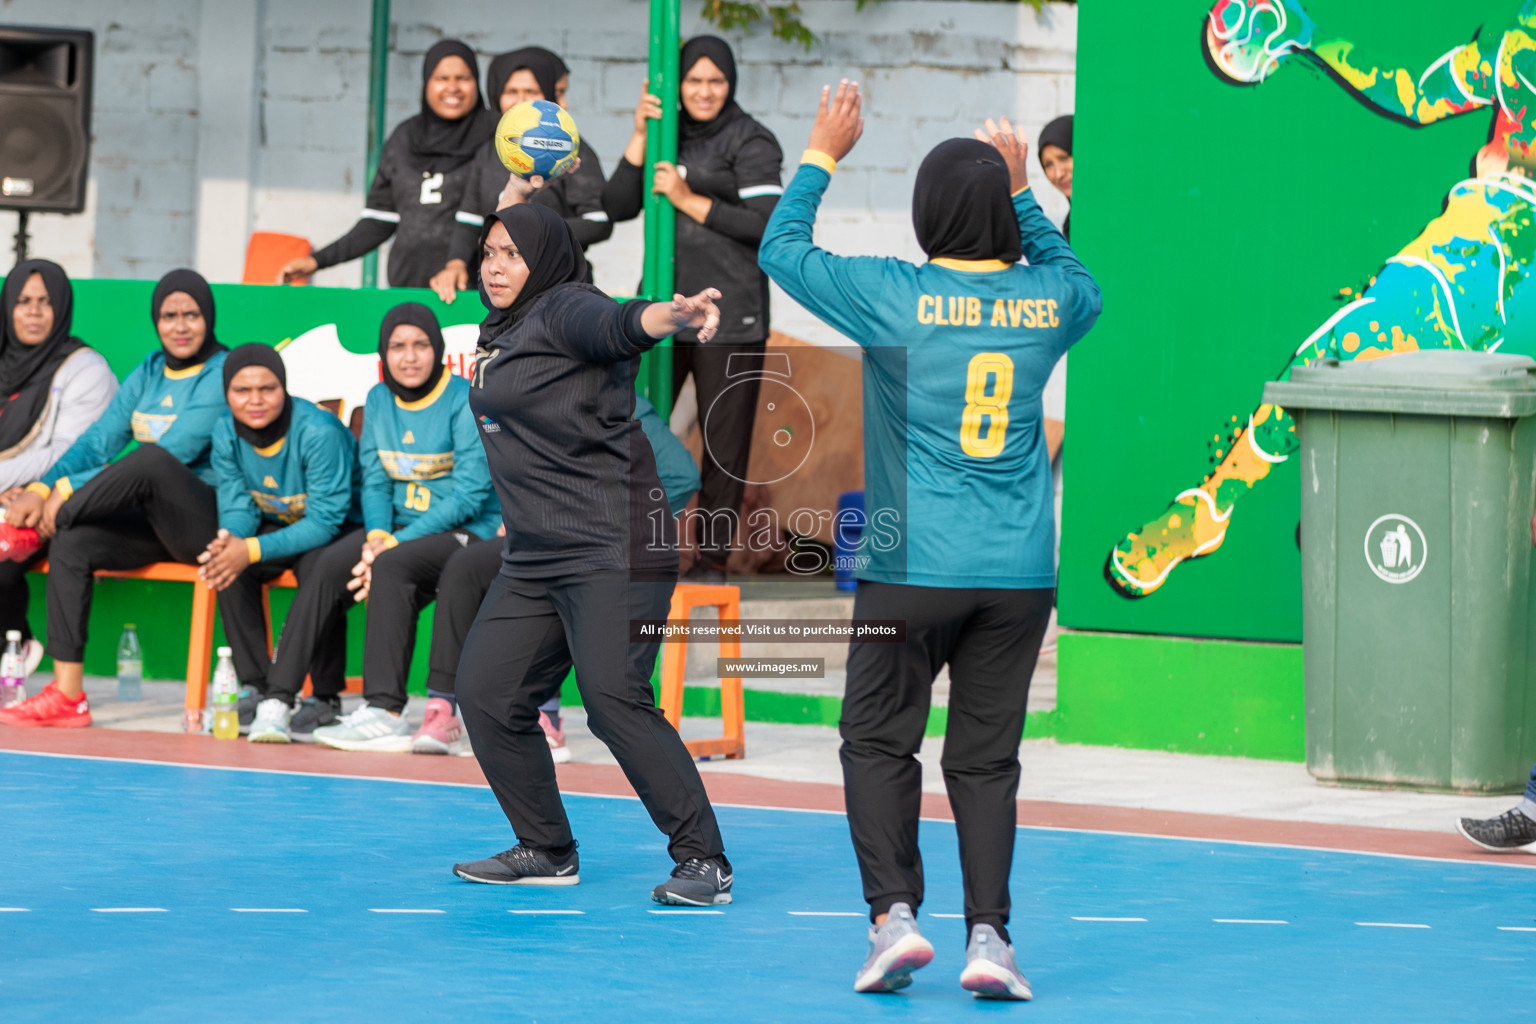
679	473
424	468
957	479
306	484
175	409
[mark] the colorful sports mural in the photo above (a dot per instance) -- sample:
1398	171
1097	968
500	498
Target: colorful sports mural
1462	283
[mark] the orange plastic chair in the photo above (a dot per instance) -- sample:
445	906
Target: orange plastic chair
268	252
674	660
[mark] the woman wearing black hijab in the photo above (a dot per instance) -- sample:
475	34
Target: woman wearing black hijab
724	188
554	395
532	73
421	175
155	504
1056	161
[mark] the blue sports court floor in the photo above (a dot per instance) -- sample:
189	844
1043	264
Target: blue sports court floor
148	892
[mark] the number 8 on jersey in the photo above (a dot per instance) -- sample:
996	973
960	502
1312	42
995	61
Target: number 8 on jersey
984	424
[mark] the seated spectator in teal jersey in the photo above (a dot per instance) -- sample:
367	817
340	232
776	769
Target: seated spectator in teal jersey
154	504
288	486
957	489
468	573
426	495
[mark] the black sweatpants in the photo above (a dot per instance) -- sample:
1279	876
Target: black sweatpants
990	640
524	626
728	447
146	507
405	580
16	593
315	630
461	587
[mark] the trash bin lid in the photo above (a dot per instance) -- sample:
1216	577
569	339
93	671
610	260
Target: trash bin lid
1433	383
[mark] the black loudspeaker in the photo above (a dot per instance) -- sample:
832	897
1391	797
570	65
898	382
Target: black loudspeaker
45	118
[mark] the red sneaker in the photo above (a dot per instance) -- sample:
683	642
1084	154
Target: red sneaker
49	708
18	543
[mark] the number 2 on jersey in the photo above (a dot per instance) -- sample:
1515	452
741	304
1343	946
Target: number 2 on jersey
986	409
417	497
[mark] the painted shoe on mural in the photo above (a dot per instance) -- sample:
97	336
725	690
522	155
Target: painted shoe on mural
49	709
1191	527
1246	40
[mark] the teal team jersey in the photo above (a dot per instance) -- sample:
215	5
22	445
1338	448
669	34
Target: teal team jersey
424	468
306	484
957	480
175	409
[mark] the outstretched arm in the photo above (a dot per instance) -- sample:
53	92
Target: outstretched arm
1248	39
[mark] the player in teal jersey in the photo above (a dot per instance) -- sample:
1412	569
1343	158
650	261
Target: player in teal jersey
154	504
288	485
426	495
958	495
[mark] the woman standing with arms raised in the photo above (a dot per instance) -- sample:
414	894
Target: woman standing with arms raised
421	175
724	187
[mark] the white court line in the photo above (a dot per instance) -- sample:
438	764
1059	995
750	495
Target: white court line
1502	928
960	916
392	910
1245	920
546	911
267	910
15	910
1388	924
826	913
1114	920
128	910
683	912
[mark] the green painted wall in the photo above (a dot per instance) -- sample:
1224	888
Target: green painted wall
1221	222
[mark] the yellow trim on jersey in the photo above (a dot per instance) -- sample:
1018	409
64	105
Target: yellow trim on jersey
429	398
273	448
1019	192
64	488
253	549
40	489
384	535
971	266
817	158
191	371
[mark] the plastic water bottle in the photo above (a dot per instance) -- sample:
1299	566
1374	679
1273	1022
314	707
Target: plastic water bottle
130	665
226	698
13	671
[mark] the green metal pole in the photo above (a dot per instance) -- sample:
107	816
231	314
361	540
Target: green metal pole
660	218
378	79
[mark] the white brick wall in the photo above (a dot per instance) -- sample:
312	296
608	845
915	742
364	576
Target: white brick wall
930	68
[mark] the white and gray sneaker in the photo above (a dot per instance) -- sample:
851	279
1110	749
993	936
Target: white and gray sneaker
896	949
271	723
990	971
368	728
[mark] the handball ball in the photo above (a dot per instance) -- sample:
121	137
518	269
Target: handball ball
537	137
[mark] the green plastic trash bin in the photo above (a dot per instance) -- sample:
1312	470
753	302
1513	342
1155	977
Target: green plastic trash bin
1418	481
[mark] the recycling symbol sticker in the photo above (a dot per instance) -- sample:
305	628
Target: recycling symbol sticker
1395	548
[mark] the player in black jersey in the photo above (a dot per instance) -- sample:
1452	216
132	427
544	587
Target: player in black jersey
532	73
554	394
421	176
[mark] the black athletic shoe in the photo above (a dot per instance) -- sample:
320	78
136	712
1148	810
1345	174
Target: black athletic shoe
311	715
245	707
522	865
1511	830
697	883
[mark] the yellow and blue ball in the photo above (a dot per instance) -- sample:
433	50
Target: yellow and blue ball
537	137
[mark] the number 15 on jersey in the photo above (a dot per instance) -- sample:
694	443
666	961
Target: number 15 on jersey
988	386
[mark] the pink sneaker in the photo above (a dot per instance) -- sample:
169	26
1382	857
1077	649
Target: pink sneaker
556	739
440	730
18	543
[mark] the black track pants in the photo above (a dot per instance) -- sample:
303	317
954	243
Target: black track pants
729	417
461	588
318	620
146	507
526	626
990	640
405	580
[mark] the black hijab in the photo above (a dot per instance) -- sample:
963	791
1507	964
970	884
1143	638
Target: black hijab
437	143
26	371
194	284
260	355
718	51
416	314
551	252
960	204
547	70
1058	133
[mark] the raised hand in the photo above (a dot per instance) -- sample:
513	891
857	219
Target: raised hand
838	120
697	311
1013	150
